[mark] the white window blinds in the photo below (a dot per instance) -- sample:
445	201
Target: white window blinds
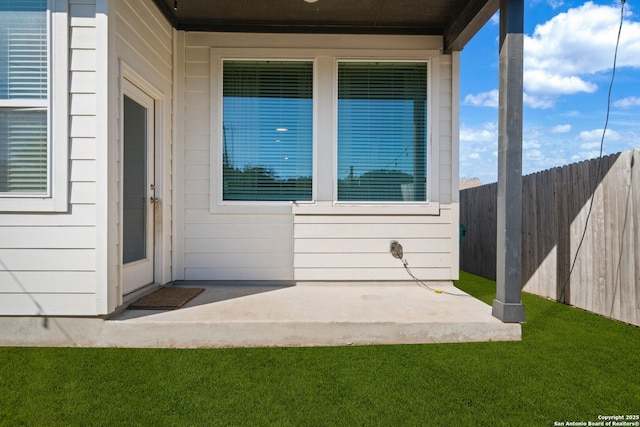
267	130
23	96
382	128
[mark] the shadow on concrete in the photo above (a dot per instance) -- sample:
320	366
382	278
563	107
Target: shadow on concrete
214	292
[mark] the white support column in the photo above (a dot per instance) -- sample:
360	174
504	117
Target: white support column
508	305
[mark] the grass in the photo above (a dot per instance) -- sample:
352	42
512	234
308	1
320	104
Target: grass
570	366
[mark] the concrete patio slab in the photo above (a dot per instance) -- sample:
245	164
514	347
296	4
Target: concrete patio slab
270	316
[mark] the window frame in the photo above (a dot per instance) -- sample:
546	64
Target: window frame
325	140
55	199
257	115
217	204
428	138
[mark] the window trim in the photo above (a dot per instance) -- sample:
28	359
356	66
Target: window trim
306	144
428	137
325	63
56	105
216	202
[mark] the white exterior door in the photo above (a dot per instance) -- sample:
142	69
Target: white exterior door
138	189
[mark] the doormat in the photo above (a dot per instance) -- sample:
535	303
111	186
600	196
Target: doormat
166	298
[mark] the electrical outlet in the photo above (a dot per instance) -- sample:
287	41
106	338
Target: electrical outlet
396	250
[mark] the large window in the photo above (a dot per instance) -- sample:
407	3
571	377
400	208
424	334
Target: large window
24	157
332	130
382	128
267	134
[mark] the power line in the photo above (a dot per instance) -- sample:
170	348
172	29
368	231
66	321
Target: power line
598	168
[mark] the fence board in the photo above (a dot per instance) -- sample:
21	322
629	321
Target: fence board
606	276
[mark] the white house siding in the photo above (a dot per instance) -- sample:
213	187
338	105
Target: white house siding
222	246
66	263
47	260
307	244
356	247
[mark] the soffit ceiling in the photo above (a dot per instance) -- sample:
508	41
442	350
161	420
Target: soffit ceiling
456	20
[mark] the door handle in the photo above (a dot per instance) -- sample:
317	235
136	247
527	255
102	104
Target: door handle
153	199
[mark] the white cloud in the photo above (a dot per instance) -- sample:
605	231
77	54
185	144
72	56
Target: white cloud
534	155
582	41
540	159
548	83
538	155
595	135
539	102
587	143
528	145
476	145
561	129
628	102
555	3
488	132
584	155
571	114
563	54
483	99
490	99
590	146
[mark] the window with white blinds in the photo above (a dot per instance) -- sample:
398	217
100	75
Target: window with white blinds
382	128
23	97
267	130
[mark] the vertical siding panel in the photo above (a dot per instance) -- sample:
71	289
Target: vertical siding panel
576	226
557	199
619	187
550	237
628	238
479	244
529	230
608	246
635	217
562	244
611	246
443	134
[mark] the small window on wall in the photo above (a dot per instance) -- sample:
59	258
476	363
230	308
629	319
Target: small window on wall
382	131
24	148
267	135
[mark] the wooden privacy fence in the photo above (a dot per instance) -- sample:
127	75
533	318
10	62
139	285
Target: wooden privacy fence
556	203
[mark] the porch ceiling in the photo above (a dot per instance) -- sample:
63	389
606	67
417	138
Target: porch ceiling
456	20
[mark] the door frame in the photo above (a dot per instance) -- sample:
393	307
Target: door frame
162	211
139	272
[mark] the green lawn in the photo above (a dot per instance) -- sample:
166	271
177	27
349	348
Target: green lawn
570	366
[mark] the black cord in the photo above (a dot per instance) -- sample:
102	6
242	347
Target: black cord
598	168
424	285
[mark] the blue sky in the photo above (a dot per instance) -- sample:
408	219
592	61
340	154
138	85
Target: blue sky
568	59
